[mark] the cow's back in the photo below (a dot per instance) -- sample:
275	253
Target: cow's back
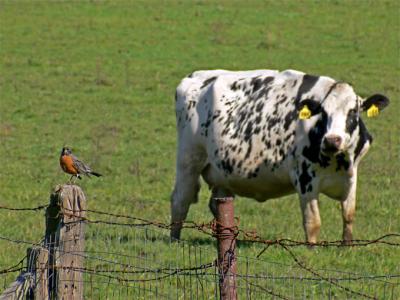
244	122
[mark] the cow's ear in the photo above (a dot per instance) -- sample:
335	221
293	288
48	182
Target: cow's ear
308	108
374	104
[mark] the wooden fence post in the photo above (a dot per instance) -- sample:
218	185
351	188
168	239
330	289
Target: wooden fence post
20	288
24	286
37	264
226	234
65	238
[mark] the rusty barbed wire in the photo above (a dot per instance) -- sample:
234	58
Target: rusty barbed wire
329	280
209	228
36	208
268	291
249	236
19	241
14	268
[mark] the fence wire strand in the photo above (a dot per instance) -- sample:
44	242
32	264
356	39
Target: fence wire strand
143	277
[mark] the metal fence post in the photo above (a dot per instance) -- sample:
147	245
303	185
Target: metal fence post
226	231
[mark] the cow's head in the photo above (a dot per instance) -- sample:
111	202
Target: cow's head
336	116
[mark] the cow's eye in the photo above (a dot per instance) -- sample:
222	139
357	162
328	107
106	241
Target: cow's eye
353	113
308	108
351	120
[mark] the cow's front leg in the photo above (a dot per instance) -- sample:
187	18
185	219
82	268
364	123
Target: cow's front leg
311	218
348	211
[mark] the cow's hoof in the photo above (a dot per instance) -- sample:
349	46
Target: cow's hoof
175	235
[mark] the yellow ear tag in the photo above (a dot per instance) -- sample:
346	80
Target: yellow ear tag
373	111
305	113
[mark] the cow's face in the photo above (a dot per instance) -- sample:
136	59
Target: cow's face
337	117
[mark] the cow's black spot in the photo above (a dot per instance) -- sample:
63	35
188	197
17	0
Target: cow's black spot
272	122
240	163
208	81
256	82
216	114
304	178
342	162
289	119
266	162
226	153
191	105
208	121
313	151
242	116
260	106
268	80
363	138
253	174
306	85
234	86
264	93
351	121
247	155
288	136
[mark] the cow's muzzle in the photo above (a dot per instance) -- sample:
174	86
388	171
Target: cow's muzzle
331	144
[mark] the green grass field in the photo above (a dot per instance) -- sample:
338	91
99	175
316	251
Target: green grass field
100	77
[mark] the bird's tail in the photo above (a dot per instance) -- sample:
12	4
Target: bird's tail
96	174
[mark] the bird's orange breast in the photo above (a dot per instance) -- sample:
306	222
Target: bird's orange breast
67	164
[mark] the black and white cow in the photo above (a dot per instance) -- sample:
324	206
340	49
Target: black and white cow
242	132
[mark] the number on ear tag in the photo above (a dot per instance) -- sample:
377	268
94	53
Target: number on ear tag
305	113
373	111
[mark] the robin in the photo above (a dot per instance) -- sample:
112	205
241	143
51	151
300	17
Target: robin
72	165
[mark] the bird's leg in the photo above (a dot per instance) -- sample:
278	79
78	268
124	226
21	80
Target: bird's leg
70	180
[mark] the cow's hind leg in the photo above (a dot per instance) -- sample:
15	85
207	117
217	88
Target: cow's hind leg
187	186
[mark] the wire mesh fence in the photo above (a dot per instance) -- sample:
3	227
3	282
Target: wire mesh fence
126	257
